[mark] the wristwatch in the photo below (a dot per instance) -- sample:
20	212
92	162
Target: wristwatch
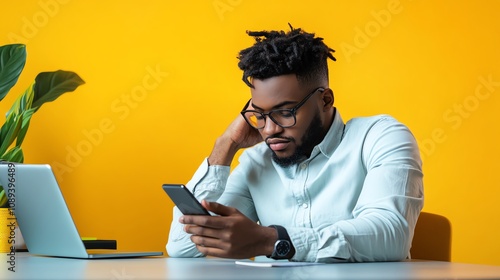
283	248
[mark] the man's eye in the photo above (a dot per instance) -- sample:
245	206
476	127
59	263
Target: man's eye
283	113
258	116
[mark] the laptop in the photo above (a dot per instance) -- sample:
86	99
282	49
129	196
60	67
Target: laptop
44	218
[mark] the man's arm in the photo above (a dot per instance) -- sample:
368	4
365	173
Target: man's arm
238	135
230	234
211	176
208	183
386	210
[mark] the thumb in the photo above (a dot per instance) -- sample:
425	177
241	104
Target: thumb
217	208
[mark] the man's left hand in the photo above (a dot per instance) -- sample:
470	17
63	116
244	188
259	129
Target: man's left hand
229	235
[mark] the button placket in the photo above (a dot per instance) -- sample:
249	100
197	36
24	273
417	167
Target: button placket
300	195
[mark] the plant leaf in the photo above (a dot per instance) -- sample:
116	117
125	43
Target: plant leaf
50	85
5	127
23	102
26	100
12	60
3	199
13	125
14	155
26	118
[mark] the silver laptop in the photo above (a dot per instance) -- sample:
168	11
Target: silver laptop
44	218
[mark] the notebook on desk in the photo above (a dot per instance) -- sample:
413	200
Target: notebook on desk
43	216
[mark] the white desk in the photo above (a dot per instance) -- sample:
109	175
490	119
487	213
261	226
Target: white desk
35	267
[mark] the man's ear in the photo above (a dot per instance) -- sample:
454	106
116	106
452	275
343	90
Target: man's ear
328	99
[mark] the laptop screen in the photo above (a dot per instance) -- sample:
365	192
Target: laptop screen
41	211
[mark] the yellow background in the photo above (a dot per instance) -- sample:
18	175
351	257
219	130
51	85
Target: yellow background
162	83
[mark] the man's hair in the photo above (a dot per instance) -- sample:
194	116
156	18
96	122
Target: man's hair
277	53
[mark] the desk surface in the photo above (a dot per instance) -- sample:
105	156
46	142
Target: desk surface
35	267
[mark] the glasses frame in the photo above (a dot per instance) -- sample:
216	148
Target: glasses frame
292	111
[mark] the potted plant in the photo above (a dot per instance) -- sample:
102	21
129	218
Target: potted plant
48	86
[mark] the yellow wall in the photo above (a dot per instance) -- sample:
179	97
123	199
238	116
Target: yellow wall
162	83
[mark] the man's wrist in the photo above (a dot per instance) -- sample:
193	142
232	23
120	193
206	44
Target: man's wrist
283	247
270	238
223	152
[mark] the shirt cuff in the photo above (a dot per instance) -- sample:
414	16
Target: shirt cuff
333	246
209	178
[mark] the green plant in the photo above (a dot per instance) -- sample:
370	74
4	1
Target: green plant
48	86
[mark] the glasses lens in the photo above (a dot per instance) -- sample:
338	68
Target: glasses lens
255	119
284	118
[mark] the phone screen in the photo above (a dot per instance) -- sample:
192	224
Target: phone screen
184	200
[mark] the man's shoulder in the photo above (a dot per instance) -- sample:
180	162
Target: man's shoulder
369	121
380	130
375	126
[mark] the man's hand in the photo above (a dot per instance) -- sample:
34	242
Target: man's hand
230	235
238	135
241	133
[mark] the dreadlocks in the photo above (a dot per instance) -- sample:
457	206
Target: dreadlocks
277	53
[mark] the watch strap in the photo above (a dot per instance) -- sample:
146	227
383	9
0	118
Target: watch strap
282	236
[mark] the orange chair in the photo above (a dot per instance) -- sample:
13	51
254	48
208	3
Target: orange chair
432	238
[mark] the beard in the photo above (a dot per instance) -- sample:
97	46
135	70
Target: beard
312	137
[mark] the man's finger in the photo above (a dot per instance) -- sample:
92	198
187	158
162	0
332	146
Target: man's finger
214	252
217	208
207	242
202	231
216	222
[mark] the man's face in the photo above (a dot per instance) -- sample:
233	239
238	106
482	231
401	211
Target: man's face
293	144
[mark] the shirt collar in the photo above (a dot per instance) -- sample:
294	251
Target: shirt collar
333	137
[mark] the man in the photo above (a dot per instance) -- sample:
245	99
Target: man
308	187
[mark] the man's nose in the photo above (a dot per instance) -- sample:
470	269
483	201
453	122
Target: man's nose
270	127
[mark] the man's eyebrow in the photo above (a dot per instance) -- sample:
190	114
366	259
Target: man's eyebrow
277	106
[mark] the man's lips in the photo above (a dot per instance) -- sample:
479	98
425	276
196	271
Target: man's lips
277	144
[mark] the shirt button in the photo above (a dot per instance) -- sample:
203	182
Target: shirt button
303	166
305	206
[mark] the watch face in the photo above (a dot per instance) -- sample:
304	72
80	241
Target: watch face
283	248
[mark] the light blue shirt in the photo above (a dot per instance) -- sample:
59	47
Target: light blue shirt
356	198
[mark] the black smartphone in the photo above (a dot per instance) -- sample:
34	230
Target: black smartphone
184	199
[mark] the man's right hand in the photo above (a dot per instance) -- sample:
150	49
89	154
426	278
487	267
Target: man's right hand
242	134
238	135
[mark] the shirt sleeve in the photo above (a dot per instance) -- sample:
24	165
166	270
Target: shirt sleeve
386	210
207	183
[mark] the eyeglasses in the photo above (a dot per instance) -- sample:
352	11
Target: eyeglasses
282	117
